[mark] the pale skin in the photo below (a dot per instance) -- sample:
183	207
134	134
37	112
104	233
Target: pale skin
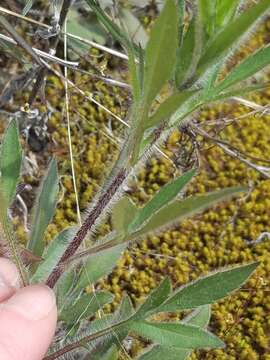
28	316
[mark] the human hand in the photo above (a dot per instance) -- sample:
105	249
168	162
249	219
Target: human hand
27	316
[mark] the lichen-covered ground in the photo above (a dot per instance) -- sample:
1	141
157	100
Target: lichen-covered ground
226	235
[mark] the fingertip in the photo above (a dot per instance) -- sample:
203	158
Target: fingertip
9	278
28	321
32	302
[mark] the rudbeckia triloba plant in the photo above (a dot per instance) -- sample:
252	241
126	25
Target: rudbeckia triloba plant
185	56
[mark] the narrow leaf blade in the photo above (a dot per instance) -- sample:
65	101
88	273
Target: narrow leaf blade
43	210
160	53
231	34
179	210
53	254
85	306
10	161
99	265
199	317
162	198
155	299
176	334
246	68
209	289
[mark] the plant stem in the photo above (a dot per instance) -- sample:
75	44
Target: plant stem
84	340
103	201
53	45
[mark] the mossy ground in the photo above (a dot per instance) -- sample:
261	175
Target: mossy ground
222	236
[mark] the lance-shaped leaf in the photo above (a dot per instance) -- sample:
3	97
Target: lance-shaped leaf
114	30
10	161
217	14
53	254
208	289
43	209
99	265
178	210
190	51
176	334
165	195
199	317
226	40
102	344
85	306
246	68
122	215
160	53
168	108
154	300
134	76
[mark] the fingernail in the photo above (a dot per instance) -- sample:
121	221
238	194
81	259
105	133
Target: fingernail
32	302
9	276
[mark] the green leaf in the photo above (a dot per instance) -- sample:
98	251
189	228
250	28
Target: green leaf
53	254
199	317
10	161
99	346
168	107
180	17
43	209
134	76
225	12
122	214
217	14
114	30
225	41
111	354
160	53
166	194
86	306
190	51
154	300
176	334
246	68
208	289
178	210
85	26
133	27
27	7
99	265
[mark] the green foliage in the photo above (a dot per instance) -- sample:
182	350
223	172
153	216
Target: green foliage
52	255
187	57
231	34
178	210
162	198
176	335
190	51
44	209
162	41
99	265
85	306
209	289
10	161
246	68
199	317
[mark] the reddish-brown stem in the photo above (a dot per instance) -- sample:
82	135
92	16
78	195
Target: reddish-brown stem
87	225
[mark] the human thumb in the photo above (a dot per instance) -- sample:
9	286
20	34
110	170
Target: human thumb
27	323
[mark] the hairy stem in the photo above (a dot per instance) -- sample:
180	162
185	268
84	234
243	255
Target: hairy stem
103	201
84	340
